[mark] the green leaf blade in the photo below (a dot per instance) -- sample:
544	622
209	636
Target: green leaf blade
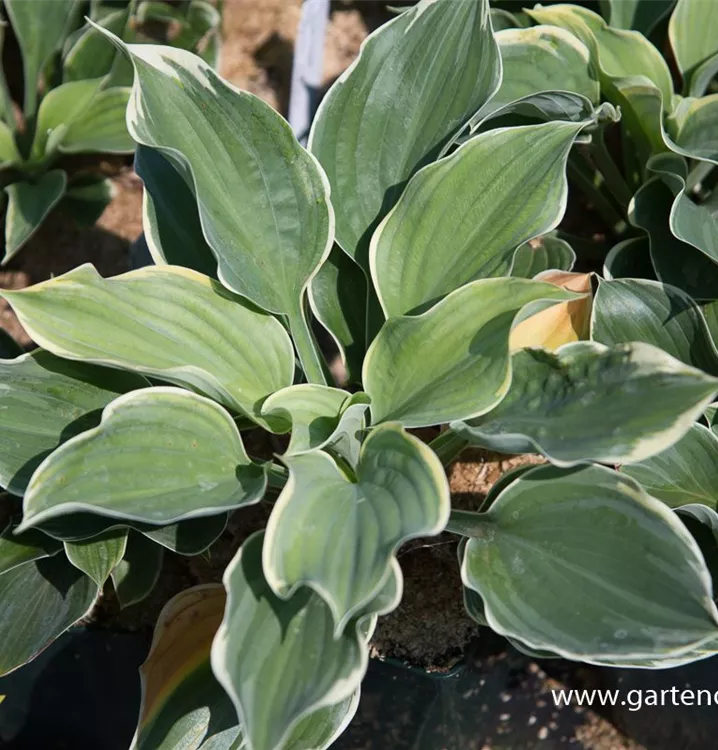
263	200
615	550
451	362
627	310
165	321
417	81
684	473
339	537
298	667
52	586
47	400
101	127
40	28
543	58
692	32
194	464
507	186
580	404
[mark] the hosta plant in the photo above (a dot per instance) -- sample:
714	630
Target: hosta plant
72	99
423	229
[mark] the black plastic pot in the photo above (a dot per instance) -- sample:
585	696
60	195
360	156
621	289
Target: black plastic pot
83	693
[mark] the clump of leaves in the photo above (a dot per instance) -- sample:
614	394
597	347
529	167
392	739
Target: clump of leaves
422	230
74	97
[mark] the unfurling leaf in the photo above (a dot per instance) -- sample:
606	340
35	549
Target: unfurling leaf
338	535
99	556
279	660
321	418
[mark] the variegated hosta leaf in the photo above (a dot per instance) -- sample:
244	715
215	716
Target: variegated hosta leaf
613	547
165	321
338	534
558	324
40	601
451	362
190	537
45	401
641	104
640	15
690	222
543	58
692	31
617	52
319	415
279	660
626	310
136	574
170	218
629	258
462	218
182	702
417	81
40	28
159	455
686	472
263	201
675	262
542	254
691	128
99	556
546	106
581	405
20	549
29	204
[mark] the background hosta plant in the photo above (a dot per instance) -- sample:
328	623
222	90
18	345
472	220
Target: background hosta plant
71	98
424	229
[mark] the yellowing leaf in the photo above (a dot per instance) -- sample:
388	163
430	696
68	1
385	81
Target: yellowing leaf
181	644
559	324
